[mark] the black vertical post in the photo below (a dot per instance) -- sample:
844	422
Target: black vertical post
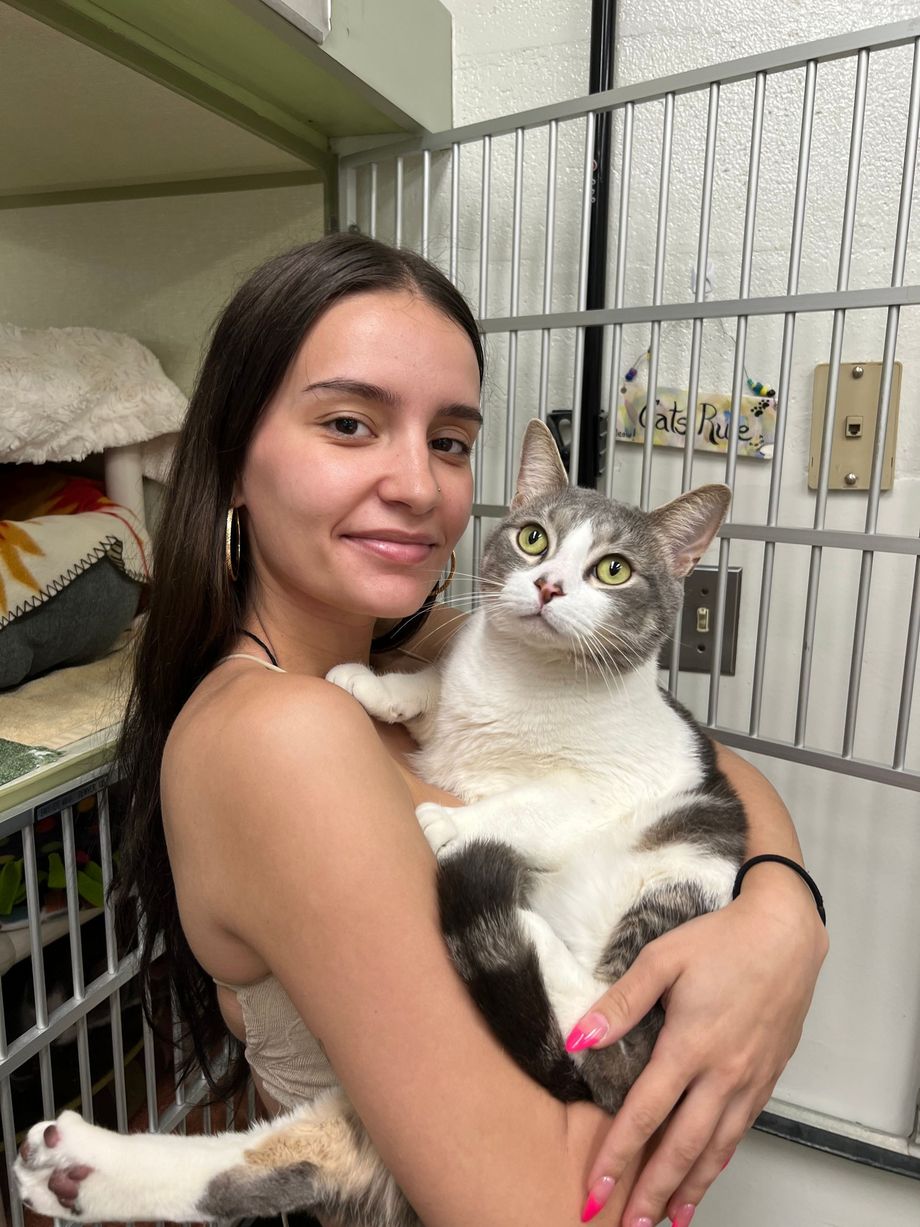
603	44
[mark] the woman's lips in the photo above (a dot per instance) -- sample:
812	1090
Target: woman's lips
406	552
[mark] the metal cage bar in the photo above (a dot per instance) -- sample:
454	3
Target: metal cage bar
696	339
843	276
33	905
7	1120
76	959
664	188
479	474
782	399
899	261
731	461
910	669
515	303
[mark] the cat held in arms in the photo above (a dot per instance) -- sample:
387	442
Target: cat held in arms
576	846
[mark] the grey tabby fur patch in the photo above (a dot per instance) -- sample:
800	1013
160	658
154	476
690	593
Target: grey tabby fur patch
481	891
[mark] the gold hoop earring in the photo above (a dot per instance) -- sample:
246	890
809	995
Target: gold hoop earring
232	544
446	584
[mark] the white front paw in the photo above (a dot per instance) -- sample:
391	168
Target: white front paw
437	823
392	698
364	685
55	1167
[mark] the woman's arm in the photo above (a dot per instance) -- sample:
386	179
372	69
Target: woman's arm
770	829
736	986
323	871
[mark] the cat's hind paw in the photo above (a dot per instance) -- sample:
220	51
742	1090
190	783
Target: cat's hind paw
52	1166
437	823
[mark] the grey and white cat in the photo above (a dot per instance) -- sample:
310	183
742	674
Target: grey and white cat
594	820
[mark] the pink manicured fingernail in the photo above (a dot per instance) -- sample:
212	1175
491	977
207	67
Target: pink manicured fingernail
597	1198
643	1222
727	1161
683	1216
586	1033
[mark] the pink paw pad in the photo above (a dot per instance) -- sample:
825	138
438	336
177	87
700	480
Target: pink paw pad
65	1184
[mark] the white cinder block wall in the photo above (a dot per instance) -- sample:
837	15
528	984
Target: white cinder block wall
860	1055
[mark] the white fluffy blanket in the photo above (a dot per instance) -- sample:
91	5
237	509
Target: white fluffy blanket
67	392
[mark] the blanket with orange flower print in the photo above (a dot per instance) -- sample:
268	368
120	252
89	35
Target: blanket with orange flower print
54	526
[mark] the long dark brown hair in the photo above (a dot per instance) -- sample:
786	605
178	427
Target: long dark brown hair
195	611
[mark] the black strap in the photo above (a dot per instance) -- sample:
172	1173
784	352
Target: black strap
264	646
790	864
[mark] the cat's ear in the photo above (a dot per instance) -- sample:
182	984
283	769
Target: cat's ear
687	524
542	471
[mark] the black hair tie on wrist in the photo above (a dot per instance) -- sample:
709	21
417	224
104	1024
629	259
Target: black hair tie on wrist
790	864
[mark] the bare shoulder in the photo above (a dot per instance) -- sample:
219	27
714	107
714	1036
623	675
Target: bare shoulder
238	736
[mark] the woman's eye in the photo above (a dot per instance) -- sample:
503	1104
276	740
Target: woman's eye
346	426
452	447
613	570
533	539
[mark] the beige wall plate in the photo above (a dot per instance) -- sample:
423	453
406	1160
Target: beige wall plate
854	426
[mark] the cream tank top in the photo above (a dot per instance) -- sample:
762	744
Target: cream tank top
286	1058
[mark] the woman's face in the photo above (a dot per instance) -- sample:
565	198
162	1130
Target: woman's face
357	483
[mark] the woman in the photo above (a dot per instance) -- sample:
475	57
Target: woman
320	484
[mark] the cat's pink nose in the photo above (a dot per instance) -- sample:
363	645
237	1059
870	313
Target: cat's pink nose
548	590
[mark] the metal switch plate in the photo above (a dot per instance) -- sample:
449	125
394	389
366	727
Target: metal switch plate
855	422
698	622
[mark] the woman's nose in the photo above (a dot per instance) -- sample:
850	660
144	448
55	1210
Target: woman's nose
411	479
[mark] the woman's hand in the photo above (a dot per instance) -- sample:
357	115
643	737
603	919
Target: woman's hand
736	985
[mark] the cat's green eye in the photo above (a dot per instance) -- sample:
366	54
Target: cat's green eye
532	539
614	569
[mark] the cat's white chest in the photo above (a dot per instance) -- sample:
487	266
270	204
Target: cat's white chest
499	728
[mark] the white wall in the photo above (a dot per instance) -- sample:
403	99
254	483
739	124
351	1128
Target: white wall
860	1055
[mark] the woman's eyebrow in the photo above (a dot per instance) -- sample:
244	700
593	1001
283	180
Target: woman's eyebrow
356	387
383	396
466	413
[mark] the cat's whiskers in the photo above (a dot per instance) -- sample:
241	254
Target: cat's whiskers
456	622
451	625
602	656
621	646
604	644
